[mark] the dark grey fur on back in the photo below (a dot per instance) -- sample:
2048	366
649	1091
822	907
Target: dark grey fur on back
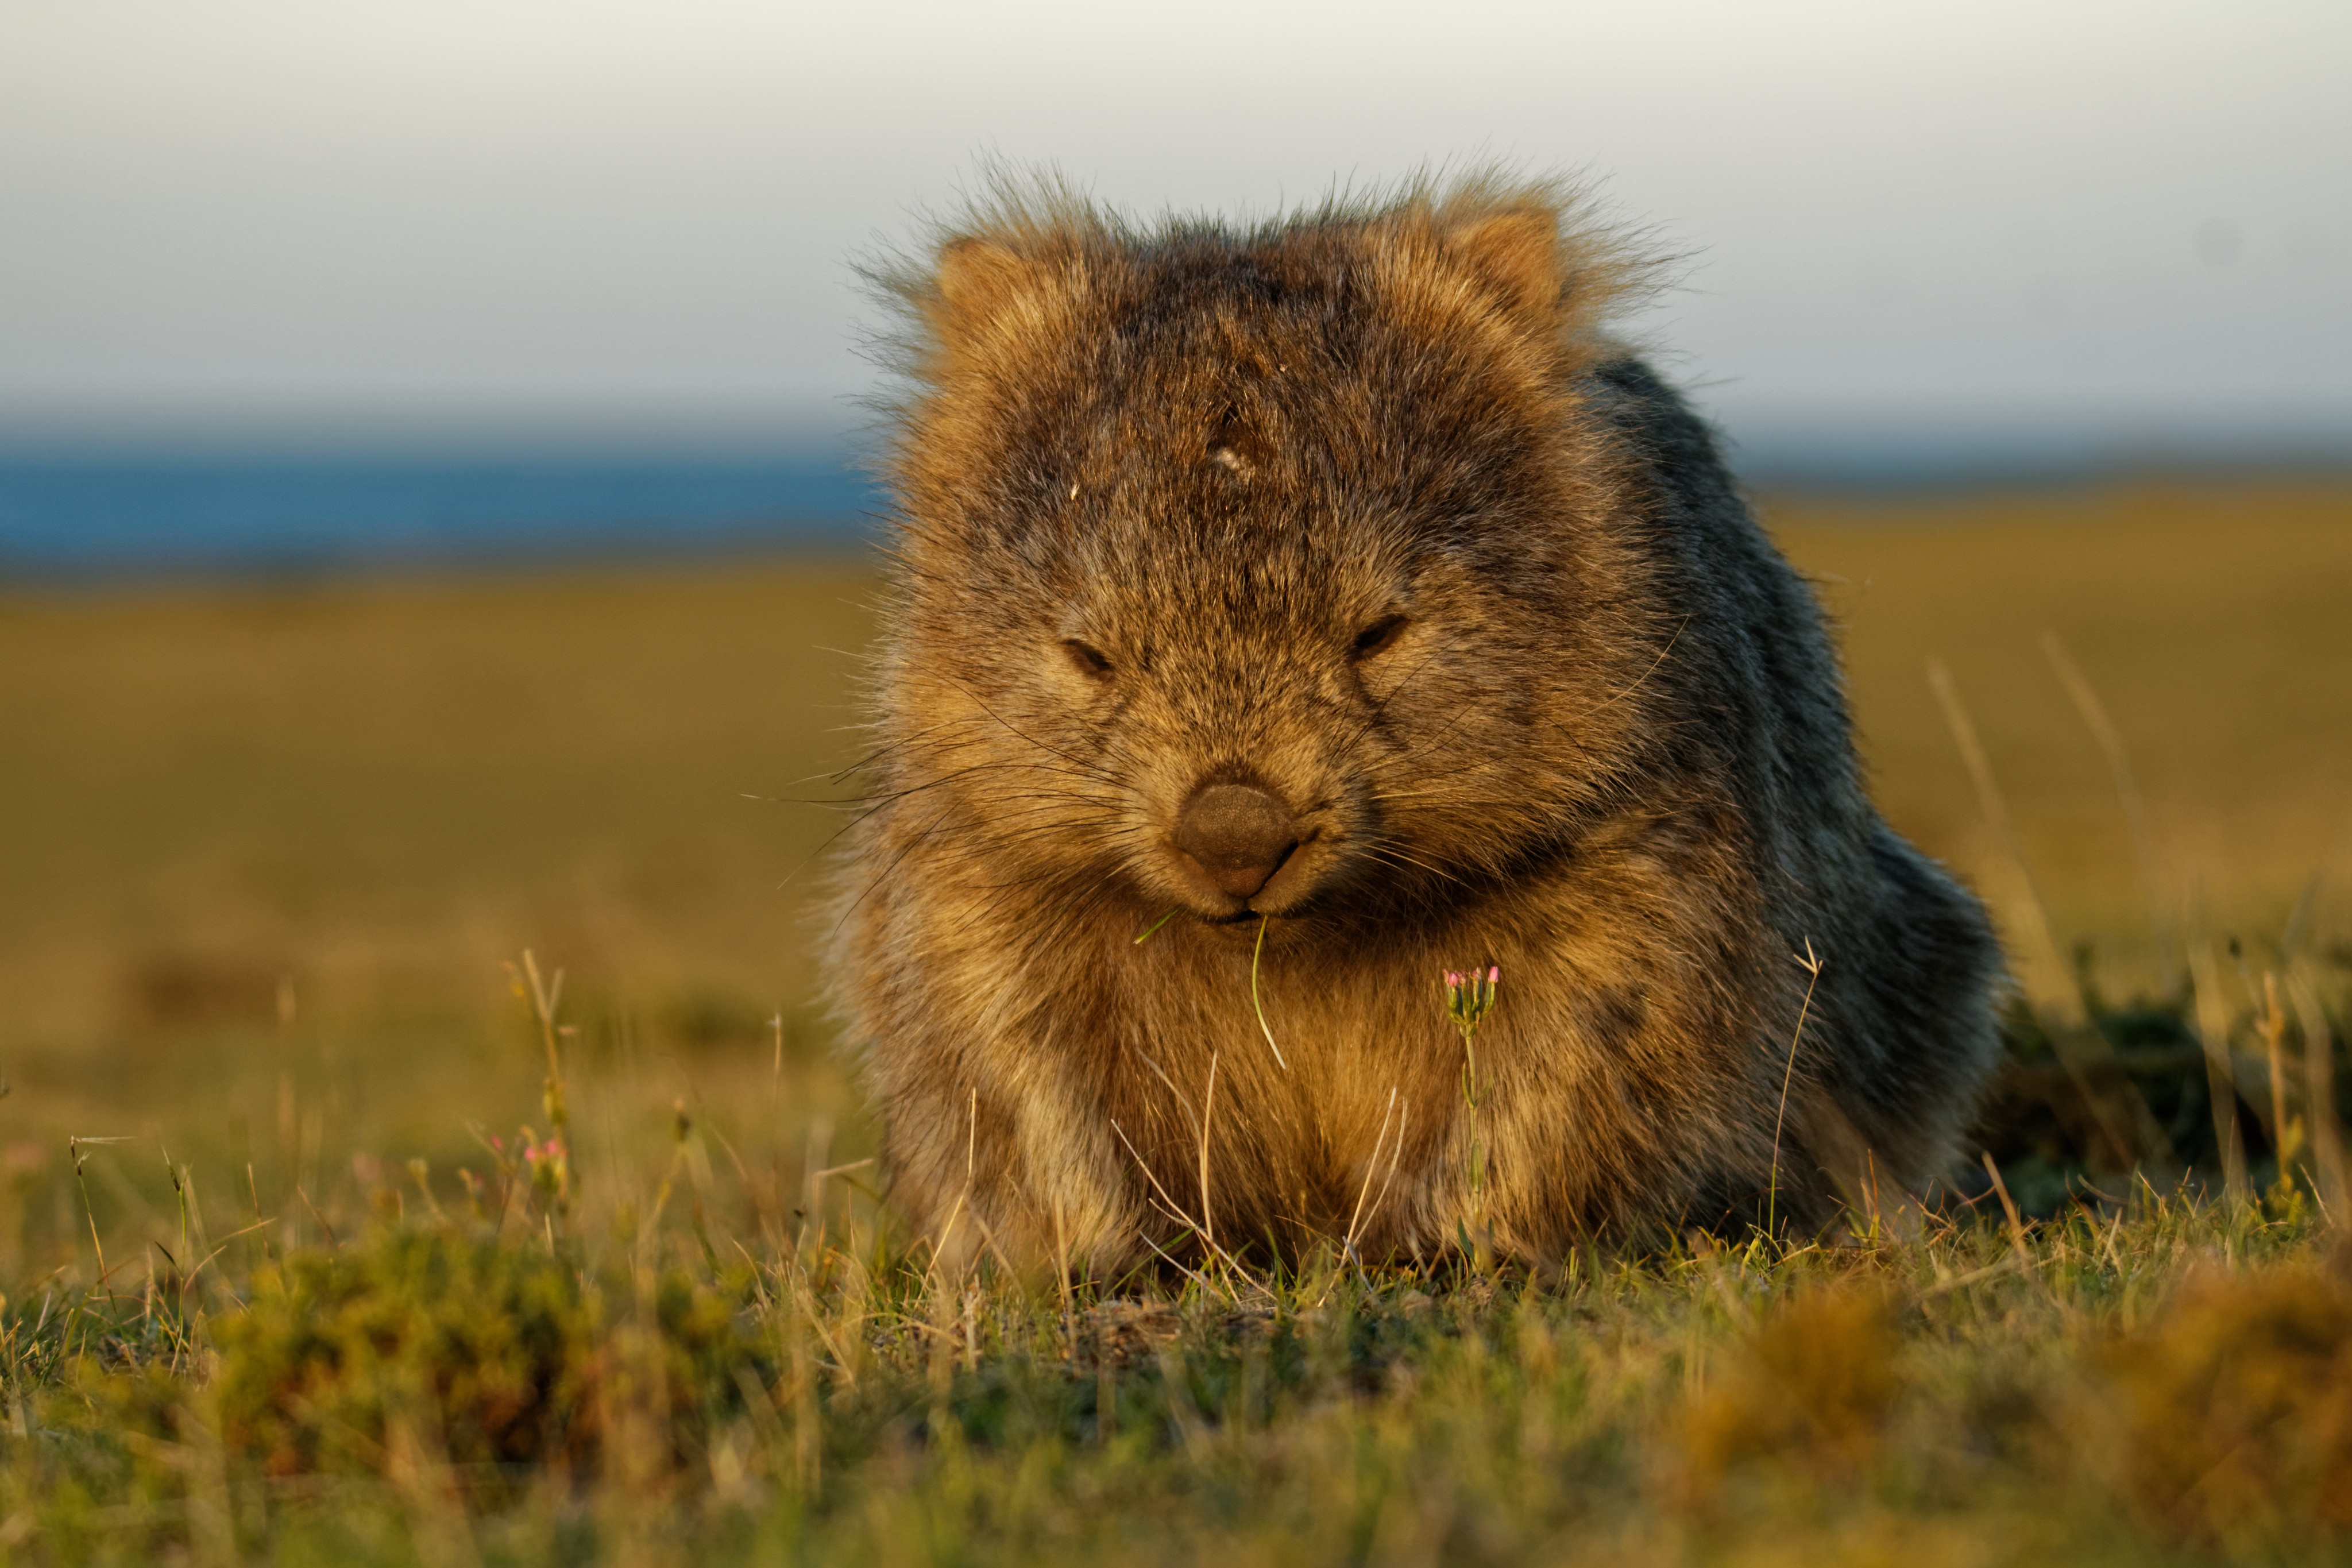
1914	1026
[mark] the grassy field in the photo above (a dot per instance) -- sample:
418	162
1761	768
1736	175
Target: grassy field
270	855
2209	624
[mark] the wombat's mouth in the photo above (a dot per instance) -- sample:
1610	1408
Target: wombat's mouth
1246	915
1238	850
1301	875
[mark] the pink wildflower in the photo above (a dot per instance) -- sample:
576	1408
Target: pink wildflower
1470	995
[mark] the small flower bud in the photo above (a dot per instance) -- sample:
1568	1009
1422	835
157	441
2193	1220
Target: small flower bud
1470	995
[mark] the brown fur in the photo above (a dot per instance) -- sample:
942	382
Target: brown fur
1606	749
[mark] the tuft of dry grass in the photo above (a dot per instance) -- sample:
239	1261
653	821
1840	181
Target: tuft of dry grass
1811	1388
2235	1405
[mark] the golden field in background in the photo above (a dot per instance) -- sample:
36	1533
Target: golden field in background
2213	625
264	850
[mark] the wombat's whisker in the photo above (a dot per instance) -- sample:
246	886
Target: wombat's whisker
872	805
1084	905
1396	856
1046	831
891	865
1428	743
1043	876
1640	680
834	838
1042	879
960	776
936	777
1079	905
1043	819
943	735
1051	798
1379	710
886	748
1015	729
1024	847
1432	794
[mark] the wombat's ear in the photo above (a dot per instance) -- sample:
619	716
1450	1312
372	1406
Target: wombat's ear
1516	253
979	279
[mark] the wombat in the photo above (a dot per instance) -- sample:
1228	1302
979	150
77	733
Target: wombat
1285	615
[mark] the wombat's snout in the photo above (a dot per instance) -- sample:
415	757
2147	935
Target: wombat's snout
1238	833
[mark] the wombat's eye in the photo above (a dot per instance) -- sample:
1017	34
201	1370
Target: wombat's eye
1087	659
1378	638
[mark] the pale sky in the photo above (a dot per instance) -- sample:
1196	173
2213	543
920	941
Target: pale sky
433	220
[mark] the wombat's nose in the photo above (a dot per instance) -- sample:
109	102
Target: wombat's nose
1238	833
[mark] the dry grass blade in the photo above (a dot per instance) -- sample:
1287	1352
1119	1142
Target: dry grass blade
2038	935
1208	1119
2319	1091
1371	1163
2018	1249
2287	1133
2221	1078
1256	1005
2088	1059
1812	968
2110	739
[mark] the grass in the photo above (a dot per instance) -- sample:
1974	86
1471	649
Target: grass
332	1230
2207	620
2163	1381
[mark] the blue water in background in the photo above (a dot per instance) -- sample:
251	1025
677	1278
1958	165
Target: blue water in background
86	514
110	515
